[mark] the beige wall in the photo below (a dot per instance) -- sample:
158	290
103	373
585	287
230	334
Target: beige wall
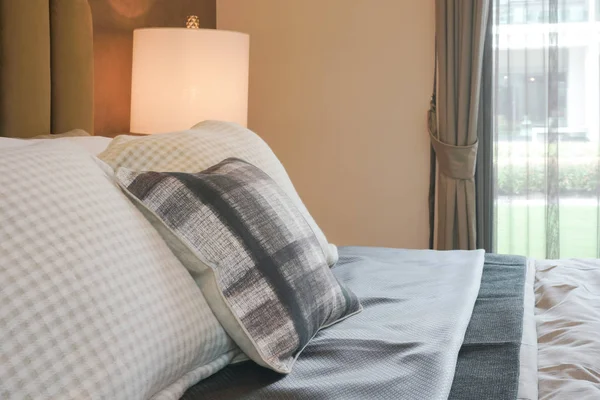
114	22
339	89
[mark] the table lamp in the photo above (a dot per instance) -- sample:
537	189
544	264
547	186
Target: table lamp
182	76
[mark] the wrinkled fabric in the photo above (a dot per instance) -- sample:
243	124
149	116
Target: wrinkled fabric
568	324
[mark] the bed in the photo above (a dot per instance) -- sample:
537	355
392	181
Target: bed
434	325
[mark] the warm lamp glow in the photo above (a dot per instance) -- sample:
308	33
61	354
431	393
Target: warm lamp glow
185	76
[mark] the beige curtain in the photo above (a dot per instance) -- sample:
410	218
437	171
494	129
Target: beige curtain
460	37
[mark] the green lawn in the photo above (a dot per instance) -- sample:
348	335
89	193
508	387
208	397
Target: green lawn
521	230
520	227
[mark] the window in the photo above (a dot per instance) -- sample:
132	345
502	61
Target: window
516	12
546	129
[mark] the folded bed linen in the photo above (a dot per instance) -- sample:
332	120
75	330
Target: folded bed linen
488	364
528	370
404	345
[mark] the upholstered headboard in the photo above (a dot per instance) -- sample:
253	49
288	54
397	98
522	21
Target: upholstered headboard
46	67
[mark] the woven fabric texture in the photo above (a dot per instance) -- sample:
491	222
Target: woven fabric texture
253	254
93	304
207	144
488	361
394	350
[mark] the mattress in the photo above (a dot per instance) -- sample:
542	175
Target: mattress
385	352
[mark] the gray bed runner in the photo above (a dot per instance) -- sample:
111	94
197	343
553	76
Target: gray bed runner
365	359
488	361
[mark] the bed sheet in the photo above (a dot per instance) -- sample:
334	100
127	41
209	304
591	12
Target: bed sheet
568	327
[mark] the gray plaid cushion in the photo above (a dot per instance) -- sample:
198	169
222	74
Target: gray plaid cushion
251	251
93	303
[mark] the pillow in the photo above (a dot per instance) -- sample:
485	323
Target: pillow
92	144
71	133
256	259
204	145
93	303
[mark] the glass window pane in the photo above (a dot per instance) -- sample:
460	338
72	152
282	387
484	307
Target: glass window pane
546	127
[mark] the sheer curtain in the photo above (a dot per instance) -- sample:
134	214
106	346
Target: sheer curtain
546	97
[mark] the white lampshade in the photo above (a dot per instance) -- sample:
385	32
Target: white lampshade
185	76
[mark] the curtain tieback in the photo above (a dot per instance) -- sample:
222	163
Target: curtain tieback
457	162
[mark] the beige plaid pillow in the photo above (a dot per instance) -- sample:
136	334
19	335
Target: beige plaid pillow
207	144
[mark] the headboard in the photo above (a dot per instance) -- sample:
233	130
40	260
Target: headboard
46	67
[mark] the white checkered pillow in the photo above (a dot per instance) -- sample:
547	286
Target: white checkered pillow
207	144
93	304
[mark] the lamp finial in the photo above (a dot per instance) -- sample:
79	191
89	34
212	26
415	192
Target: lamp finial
193	22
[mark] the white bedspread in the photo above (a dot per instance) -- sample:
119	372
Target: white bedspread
568	328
